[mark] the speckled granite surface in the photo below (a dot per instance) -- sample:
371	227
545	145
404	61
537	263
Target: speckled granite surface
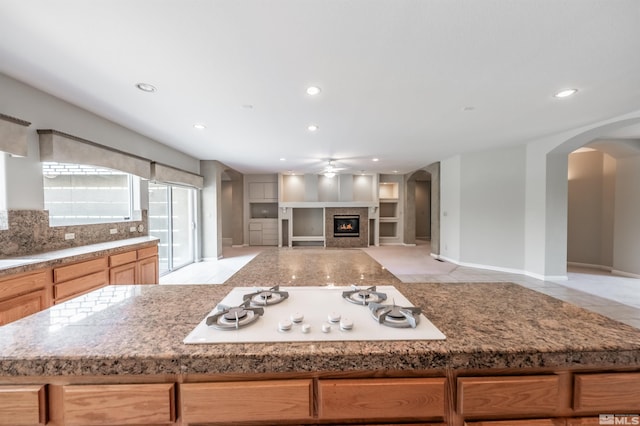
16	265
139	330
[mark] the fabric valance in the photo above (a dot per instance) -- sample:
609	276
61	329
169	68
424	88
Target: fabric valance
63	148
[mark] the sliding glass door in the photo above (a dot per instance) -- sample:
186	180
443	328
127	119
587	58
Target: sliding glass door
172	219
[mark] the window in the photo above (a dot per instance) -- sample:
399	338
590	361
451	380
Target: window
77	194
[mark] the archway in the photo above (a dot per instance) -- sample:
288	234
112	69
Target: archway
422	211
556	195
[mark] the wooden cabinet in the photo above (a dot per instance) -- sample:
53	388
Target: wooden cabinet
402	398
226	402
528	422
607	393
508	396
79	278
122	404
24	294
22	405
134	267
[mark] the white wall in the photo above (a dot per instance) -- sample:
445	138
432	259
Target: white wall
627	211
492	205
450	194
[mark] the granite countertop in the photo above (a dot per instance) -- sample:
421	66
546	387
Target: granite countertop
140	329
48	259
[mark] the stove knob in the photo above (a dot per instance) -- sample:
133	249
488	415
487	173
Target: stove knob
334	317
346	324
326	328
284	325
306	327
297	317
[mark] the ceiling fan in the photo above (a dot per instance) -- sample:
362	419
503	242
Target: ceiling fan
332	168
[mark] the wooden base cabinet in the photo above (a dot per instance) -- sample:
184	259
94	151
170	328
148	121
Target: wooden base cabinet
380	399
134	267
78	278
24	294
22	405
121	404
514	396
246	401
607	393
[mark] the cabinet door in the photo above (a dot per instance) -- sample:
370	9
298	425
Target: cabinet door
22	405
123	274
135	404
148	270
381	398
607	393
516	395
227	402
21	306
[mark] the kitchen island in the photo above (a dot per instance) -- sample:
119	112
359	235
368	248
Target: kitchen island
115	356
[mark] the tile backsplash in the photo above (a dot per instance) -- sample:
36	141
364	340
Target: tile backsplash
27	232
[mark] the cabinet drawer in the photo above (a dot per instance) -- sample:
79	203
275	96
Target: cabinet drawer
80	285
24	283
521	395
226	402
21	306
122	258
76	270
22	405
135	404
607	393
586	421
147	252
381	398
528	422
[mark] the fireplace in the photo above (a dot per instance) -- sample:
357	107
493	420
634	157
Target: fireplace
346	225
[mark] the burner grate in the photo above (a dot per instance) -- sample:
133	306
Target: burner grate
234	318
364	296
268	297
396	316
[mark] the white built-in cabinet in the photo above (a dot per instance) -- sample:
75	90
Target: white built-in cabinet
390	209
262	210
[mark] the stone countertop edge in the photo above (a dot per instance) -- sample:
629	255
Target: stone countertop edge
488	325
75	254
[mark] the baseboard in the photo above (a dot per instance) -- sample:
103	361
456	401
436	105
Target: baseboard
625	274
590	266
505	270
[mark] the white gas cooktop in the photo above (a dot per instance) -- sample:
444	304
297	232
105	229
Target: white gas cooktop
311	307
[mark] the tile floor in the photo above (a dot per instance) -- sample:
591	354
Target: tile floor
599	291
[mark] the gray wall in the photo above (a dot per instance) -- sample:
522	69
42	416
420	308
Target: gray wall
627	211
48	112
590	206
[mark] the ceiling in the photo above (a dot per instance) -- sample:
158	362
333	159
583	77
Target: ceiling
409	82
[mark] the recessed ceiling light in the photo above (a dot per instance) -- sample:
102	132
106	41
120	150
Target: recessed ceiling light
312	127
199	126
565	93
375	159
283	159
146	87
247	106
313	90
